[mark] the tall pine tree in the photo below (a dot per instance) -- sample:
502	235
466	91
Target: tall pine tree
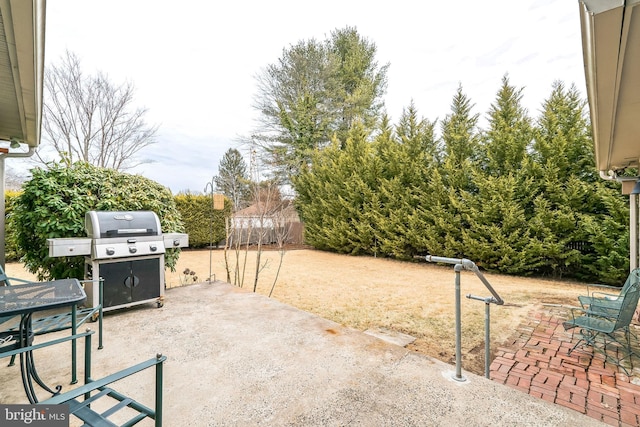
316	91
460	143
407	156
497	234
564	172
232	179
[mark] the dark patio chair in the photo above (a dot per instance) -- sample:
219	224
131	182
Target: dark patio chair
604	303
599	331
56	321
6	281
100	390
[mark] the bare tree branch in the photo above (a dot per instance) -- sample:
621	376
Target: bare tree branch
87	118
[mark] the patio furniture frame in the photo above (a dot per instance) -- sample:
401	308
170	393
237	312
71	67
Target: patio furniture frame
80	398
59	321
603	302
595	324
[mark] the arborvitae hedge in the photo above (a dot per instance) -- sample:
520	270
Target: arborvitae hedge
203	224
521	198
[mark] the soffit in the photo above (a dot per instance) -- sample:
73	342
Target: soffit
21	69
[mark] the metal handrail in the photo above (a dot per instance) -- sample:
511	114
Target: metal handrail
459	265
469	266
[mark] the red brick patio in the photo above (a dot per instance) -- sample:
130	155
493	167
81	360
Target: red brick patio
537	362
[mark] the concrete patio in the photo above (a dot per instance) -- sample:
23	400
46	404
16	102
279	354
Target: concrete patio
240	359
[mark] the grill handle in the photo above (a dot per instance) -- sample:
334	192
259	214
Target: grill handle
131	281
129	231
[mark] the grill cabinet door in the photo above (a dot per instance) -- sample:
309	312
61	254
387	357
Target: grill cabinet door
117	283
146	279
130	281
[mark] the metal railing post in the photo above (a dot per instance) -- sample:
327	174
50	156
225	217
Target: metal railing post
87	361
487	330
458	377
487	338
74	330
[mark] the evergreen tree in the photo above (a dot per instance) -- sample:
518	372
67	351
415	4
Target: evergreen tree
510	132
520	199
232	179
337	195
316	90
359	82
564	172
606	249
460	140
292	101
407	156
563	137
497	234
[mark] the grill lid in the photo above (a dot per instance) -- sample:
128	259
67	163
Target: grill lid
109	224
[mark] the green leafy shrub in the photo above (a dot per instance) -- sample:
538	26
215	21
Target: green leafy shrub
12	252
203	224
54	202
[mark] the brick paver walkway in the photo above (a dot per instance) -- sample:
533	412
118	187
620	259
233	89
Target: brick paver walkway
537	362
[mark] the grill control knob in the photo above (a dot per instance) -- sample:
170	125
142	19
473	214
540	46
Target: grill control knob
133	249
111	251
153	248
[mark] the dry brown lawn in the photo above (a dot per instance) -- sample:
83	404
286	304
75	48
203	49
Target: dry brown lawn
415	298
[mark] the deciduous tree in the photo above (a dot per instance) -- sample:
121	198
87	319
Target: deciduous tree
88	118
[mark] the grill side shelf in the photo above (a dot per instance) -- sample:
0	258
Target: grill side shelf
69	246
175	240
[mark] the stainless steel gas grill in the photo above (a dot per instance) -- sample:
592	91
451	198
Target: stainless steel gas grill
127	250
123	234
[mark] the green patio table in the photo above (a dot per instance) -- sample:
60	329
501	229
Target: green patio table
24	300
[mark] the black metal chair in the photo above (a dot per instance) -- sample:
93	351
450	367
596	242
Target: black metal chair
599	329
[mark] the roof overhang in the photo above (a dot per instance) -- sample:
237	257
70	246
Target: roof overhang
611	52
22	30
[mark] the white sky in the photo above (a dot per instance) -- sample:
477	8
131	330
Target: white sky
193	63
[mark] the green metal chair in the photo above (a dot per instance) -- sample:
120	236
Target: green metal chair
604	303
6	281
100	390
594	325
57	321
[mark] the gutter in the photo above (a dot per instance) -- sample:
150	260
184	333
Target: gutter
608	175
